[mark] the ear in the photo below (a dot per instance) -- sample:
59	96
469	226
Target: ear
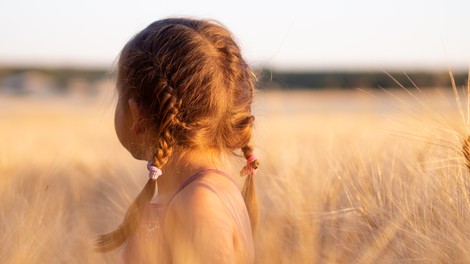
136	115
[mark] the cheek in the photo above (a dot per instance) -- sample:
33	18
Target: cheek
119	125
122	126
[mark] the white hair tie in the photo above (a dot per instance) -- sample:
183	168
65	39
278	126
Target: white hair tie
154	172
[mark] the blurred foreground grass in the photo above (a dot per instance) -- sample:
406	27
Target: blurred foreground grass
345	177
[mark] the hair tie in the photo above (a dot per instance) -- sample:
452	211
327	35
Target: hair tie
154	172
249	169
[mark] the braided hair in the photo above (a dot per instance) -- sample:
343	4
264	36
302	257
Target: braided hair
196	91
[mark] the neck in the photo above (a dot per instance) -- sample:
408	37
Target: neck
180	167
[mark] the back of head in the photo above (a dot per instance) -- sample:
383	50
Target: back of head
197	63
196	92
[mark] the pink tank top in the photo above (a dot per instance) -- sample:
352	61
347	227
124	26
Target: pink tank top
147	245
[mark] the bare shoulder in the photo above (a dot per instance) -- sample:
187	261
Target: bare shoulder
199	223
205	199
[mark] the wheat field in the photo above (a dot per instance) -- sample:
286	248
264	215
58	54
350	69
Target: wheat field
346	177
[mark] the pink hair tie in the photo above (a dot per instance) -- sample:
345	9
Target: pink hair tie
249	169
154	172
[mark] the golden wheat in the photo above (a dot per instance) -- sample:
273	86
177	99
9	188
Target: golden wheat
345	178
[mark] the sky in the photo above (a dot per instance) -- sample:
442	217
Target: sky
284	35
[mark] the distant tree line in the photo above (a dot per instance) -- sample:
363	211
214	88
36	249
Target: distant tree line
271	79
60	78
350	80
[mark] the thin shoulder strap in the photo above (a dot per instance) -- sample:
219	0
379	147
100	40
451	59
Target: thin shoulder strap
197	175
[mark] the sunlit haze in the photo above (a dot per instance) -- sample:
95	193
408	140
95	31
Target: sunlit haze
300	35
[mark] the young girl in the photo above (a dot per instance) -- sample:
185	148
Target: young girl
185	97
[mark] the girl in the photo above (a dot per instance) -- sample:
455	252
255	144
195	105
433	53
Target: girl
185	97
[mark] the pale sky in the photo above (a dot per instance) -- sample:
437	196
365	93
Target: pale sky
294	34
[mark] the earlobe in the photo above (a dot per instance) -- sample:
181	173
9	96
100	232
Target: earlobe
136	116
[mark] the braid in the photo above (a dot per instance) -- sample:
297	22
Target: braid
117	238
169	112
209	109
249	192
165	121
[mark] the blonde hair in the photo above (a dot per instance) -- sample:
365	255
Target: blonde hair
196	91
